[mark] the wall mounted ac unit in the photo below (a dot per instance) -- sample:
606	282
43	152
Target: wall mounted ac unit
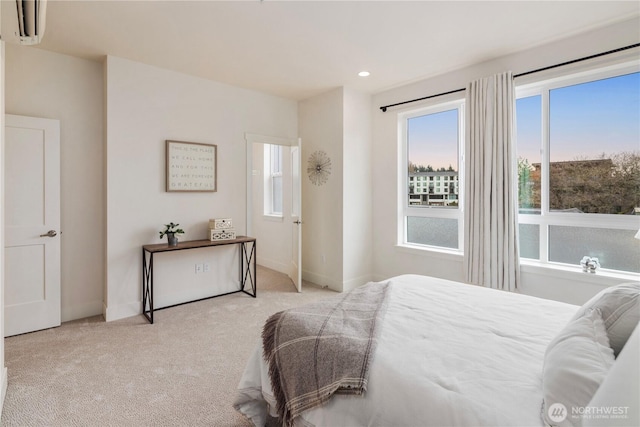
23	21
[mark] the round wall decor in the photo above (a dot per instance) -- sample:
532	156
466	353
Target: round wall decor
319	167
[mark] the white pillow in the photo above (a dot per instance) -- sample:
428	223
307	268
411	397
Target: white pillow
575	364
620	308
617	401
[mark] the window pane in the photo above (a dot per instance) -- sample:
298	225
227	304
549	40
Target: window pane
594	154
615	249
529	136
277	194
276	159
529	241
433	231
432	151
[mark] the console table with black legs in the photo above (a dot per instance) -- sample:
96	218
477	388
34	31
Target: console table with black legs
247	248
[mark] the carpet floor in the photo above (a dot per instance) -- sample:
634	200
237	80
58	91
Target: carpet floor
181	371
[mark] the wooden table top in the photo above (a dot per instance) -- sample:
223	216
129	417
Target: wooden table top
192	244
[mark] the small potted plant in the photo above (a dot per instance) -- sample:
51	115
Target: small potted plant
171	230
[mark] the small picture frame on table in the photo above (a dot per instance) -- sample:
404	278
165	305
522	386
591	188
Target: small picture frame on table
191	167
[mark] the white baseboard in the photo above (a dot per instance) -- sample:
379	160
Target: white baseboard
5	384
351	284
122	311
333	284
273	264
193	294
321	280
169	299
81	311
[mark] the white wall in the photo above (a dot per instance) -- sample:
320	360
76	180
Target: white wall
390	260
146	106
357	189
275	234
337	219
46	84
321	128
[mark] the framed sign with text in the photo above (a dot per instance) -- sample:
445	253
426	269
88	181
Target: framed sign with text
191	166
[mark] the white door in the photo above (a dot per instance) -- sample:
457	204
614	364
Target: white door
32	224
296	216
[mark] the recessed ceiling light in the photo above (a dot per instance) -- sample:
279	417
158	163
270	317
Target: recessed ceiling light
364	74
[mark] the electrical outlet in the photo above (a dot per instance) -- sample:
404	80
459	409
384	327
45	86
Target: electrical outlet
323	259
206	267
198	268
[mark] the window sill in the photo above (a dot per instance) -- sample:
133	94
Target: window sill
273	218
573	272
568	272
449	254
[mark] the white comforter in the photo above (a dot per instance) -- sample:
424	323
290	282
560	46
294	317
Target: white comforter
449	355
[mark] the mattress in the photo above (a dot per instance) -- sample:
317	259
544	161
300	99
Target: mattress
449	354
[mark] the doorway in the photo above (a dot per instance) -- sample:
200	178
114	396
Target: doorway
274	203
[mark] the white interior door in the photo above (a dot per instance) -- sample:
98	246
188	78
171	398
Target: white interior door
296	216
32	224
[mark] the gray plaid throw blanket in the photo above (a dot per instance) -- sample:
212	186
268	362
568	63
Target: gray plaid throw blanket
323	348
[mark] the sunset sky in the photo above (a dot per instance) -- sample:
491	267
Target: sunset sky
433	140
586	120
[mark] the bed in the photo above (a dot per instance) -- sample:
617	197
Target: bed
448	354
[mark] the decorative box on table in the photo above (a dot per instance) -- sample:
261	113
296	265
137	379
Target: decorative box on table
221	229
220	223
221	234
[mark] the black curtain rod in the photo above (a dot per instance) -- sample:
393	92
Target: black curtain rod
597	55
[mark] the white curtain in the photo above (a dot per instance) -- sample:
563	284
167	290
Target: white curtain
491	213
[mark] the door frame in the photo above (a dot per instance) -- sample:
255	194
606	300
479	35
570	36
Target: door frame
253	138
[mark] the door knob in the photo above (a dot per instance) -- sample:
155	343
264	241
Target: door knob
50	233
297	221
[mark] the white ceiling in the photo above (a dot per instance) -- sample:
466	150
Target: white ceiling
297	49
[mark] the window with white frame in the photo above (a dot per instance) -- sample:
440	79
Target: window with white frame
578	171
432	143
272	179
579	168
